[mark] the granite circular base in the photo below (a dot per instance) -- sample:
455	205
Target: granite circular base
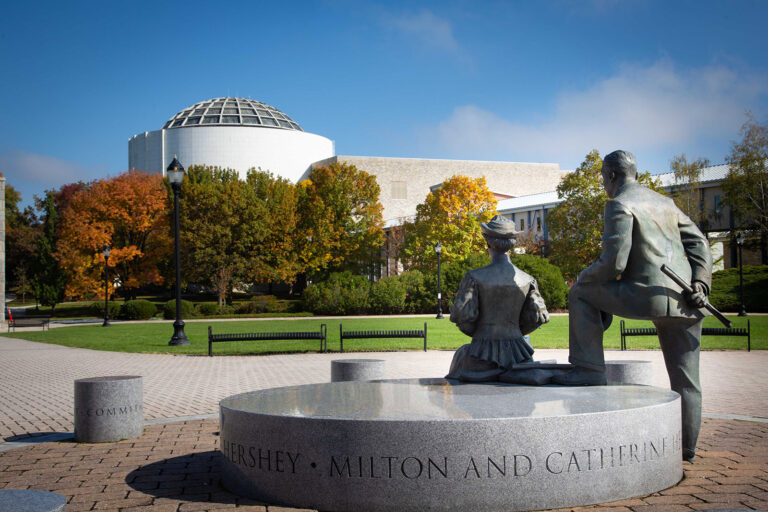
629	372
31	501
436	444
357	369
108	409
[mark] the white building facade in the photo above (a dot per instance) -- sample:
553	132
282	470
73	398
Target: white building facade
234	133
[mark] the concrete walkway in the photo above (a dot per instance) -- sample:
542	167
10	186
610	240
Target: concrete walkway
37	379
175	465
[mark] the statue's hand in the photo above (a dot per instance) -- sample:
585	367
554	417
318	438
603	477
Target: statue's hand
543	316
699	296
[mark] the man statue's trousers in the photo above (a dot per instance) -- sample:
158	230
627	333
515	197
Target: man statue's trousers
590	310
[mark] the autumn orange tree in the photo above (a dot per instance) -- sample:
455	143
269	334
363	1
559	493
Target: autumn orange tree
340	223
451	214
129	214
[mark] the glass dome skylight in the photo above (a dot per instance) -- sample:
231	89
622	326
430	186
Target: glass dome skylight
232	111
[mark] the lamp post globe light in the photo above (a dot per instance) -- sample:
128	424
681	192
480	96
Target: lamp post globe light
105	252
438	250
175	173
740	242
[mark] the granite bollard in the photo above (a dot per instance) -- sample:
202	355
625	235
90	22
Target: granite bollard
357	369
629	372
17	500
108	409
442	445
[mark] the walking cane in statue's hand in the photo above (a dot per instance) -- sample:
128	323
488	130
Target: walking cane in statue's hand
689	290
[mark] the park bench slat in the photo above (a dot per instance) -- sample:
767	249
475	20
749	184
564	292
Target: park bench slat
269	336
377	334
29	321
706	331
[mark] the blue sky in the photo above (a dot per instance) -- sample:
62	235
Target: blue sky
536	81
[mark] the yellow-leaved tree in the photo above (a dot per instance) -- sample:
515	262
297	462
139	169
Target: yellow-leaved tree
451	215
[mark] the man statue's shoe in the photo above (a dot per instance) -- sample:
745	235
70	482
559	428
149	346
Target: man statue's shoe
688	455
580	377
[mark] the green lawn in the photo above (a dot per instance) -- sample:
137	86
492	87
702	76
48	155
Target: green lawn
153	337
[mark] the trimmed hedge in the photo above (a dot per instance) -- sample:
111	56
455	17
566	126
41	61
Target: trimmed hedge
341	294
725	289
138	310
261	304
551	282
169	309
97	309
416	292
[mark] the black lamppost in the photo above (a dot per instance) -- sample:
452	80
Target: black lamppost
740	243
105	252
438	250
175	173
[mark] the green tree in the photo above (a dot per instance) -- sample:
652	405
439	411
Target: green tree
275	258
687	192
340	222
49	280
452	215
576	224
746	186
220	221
22	230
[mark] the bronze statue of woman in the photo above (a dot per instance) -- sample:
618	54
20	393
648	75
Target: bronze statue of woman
497	305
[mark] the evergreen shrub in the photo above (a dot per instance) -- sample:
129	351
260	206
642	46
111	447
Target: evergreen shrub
169	309
207	308
97	309
341	294
138	310
551	282
418	297
387	296
260	304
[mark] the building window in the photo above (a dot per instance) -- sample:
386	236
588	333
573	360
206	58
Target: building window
538	223
399	190
718	205
522	224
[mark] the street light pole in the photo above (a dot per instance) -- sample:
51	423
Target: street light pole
106	287
740	242
175	174
438	250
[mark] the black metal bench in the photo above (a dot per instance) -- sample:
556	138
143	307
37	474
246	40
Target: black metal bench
361	335
29	321
269	336
706	331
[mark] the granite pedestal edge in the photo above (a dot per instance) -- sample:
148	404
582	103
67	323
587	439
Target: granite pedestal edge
27	500
108	409
464	460
629	372
357	369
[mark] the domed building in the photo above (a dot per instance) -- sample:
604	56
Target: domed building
236	133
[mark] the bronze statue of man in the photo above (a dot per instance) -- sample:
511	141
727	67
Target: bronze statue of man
643	230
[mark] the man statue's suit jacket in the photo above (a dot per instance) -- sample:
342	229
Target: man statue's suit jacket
644	230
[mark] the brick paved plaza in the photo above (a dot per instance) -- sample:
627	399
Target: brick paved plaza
175	465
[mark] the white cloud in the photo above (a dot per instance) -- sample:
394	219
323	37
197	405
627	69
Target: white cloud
23	167
643	108
427	28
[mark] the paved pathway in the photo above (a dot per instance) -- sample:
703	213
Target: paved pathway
174	466
37	379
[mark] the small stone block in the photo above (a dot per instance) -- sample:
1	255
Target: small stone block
629	372
12	500
108	409
357	369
